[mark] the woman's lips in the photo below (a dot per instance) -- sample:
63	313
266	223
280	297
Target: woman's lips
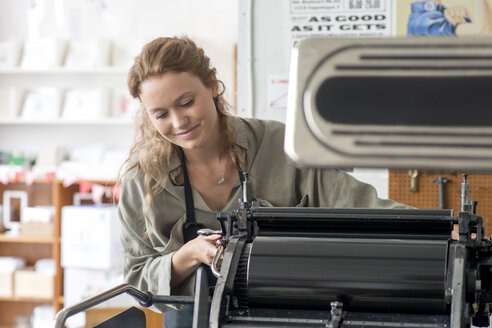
188	134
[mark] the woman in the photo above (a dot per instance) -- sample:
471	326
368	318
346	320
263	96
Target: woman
188	143
432	18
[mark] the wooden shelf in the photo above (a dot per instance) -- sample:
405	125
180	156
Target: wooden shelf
26	239
26	299
102	182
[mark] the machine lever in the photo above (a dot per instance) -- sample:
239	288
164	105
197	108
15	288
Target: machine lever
220	248
209	232
217	257
336	315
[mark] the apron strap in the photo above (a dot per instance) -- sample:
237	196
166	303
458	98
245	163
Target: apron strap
190	206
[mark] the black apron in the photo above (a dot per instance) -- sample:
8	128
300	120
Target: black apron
184	318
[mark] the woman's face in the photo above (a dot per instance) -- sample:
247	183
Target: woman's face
182	109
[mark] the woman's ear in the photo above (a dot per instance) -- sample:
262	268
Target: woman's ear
215	90
215	86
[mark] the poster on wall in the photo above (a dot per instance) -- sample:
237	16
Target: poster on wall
443	18
341	18
389	18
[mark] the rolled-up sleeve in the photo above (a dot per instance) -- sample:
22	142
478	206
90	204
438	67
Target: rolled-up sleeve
147	257
144	267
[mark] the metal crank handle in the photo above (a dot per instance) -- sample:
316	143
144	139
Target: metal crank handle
209	232
216	259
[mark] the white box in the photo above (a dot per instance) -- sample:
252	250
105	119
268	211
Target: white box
43	53
43	316
38	214
6	284
11	100
88	54
90	237
80	284
10	53
125	51
31	284
42	104
86	104
123	104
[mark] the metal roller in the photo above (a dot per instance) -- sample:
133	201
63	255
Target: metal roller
407	276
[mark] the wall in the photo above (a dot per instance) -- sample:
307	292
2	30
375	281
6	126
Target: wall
264	50
212	23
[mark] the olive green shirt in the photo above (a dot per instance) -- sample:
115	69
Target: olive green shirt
147	264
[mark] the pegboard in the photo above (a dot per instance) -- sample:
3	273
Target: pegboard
427	192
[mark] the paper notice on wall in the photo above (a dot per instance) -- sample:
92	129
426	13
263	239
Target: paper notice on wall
277	91
341	18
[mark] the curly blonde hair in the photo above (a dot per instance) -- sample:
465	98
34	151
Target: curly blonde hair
151	152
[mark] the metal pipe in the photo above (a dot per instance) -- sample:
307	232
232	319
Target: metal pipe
465	194
145	300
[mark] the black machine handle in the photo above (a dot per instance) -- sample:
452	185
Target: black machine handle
147	299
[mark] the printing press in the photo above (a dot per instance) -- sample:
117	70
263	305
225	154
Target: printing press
326	267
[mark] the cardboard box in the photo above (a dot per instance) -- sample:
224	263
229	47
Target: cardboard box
31	284
90	237
96	316
6	284
36	229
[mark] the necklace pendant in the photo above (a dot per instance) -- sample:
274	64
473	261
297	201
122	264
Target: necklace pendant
220	181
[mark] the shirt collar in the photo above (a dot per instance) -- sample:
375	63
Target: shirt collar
423	6
239	126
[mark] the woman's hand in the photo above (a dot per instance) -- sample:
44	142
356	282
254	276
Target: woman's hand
186	260
202	249
455	234
456	15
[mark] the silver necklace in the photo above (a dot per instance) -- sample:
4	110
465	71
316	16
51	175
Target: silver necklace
222	179
222	176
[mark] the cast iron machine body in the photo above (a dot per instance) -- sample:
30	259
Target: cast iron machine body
322	267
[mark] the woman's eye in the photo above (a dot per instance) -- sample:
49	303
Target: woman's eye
188	103
161	115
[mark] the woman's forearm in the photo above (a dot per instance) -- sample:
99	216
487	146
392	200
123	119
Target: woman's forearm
183	264
481	23
187	259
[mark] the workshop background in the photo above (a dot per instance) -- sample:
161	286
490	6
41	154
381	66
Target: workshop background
66	125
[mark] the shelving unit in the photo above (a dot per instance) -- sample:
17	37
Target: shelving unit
31	134
32	248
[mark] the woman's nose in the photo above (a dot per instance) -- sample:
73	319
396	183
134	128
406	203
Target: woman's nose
178	119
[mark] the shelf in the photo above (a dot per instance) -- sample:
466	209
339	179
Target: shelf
64	78
103	121
26	299
65	71
98	181
26	239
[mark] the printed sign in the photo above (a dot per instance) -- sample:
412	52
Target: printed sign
341	18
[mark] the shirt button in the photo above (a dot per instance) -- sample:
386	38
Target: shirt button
429	6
